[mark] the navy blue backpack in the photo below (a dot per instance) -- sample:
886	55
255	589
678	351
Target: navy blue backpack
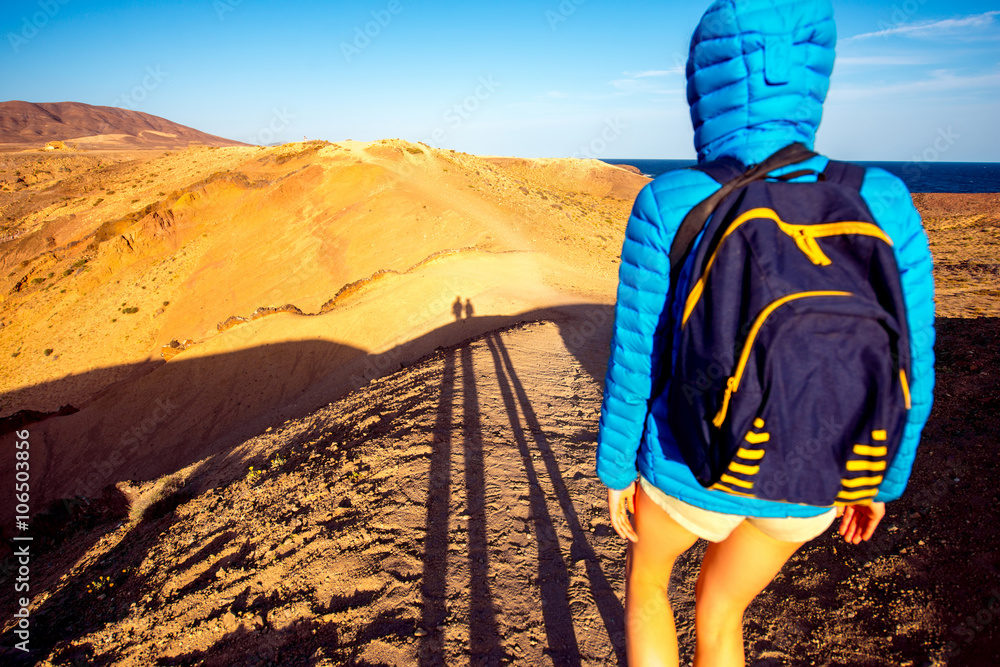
790	353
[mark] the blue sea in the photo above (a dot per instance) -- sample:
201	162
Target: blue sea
918	176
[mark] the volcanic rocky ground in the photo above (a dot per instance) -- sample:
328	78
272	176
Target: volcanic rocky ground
336	404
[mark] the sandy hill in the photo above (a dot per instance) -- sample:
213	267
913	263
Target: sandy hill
336	404
86	126
289	275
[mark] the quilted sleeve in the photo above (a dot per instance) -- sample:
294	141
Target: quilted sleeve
892	206
643	286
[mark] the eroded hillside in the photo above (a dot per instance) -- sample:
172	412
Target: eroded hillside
271	277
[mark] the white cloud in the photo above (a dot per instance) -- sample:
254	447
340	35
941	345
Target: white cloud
630	86
647	82
941	82
872	61
931	28
654	72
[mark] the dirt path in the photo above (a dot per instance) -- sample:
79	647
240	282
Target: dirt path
447	513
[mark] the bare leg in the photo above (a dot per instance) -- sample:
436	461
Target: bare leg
733	572
650	633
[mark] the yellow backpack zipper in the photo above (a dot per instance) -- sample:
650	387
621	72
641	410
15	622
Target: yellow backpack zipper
804	236
733	383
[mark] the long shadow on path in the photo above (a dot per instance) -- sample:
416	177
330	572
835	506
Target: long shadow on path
608	605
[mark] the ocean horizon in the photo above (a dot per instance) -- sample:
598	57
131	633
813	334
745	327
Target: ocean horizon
959	177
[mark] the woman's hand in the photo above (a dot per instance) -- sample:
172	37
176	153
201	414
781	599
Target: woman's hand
620	503
858	522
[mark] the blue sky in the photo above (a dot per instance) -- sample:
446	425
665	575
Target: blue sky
530	78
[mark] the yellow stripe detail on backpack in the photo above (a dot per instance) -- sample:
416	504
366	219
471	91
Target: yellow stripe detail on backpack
906	389
729	479
855	490
857	495
870	450
720	487
751	454
855	482
743	469
804	236
872	466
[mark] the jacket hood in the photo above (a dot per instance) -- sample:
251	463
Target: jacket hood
757	74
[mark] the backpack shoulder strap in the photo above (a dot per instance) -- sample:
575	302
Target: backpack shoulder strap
696	217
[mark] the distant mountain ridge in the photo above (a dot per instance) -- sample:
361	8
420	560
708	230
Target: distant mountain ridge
91	126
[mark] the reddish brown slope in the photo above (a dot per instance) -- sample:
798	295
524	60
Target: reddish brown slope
29	123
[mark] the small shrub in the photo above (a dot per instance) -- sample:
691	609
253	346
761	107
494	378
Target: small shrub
48	351
163	500
253	476
130	310
101	587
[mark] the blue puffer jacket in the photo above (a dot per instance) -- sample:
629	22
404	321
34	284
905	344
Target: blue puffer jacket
758	72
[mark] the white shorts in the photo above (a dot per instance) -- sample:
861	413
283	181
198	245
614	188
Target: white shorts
716	526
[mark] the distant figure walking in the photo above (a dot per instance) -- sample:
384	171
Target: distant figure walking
469	312
456	308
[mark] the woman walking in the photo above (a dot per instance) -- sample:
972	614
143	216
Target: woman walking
758	72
